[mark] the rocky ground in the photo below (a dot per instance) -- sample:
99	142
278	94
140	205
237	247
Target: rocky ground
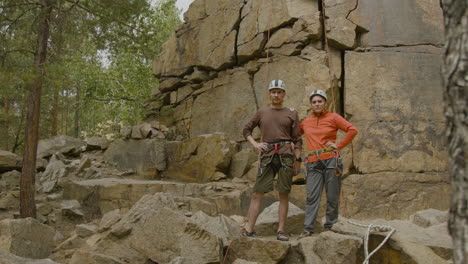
149	200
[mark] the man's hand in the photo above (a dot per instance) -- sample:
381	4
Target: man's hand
261	146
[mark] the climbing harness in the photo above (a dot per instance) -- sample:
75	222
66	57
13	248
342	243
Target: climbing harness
373	228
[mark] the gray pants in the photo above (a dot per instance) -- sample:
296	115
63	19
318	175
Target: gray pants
319	174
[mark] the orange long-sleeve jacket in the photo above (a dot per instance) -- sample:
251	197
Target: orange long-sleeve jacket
319	129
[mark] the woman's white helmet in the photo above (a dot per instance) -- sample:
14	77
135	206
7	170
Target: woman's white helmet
318	92
278	84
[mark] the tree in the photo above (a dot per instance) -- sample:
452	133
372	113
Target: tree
456	104
27	180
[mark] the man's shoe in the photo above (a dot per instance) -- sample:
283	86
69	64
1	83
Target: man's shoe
244	233
327	227
282	236
305	234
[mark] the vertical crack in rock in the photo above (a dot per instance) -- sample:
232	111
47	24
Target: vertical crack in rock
322	22
343	85
350	11
251	78
237	29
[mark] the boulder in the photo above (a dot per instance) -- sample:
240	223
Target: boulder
71	209
81	256
267	221
410	243
147	156
385	110
176	235
344	248
85	230
9	200
61	144
55	171
8	258
97	143
198	159
85	163
222	226
429	217
394	195
10	180
421	19
16	233
258	250
109	219
241	162
9	161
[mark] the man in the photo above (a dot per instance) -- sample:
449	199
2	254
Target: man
323	162
280	154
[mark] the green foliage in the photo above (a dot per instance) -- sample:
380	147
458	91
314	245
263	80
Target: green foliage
102	49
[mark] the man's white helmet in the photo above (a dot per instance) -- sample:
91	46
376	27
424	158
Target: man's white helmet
318	92
279	84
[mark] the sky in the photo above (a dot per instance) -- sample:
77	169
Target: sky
183	4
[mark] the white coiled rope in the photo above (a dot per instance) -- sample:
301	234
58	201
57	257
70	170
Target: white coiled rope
375	228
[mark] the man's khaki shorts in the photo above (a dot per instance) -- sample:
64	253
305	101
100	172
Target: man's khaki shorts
271	165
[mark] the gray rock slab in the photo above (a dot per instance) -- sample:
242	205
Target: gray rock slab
147	156
16	233
9	161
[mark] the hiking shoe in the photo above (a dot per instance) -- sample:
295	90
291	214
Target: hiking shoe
327	227
305	234
282	236
244	233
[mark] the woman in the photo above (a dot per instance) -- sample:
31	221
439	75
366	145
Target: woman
323	161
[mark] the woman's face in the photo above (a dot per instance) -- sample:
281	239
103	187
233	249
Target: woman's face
318	103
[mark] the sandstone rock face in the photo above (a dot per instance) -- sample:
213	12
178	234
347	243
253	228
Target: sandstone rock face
212	112
197	159
421	20
147	156
208	40
393	195
393	108
14	234
9	161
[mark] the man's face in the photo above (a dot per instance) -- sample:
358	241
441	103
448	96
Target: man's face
318	103
277	96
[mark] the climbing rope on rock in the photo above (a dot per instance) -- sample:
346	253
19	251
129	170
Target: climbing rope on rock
373	228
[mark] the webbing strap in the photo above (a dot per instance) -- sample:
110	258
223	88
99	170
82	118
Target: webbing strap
319	151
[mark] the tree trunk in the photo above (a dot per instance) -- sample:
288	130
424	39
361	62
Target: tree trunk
77	111
455	81
54	114
27	181
6	133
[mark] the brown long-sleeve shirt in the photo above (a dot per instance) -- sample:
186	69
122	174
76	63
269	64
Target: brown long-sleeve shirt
276	125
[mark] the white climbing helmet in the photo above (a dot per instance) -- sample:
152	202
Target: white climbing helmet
277	84
318	92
